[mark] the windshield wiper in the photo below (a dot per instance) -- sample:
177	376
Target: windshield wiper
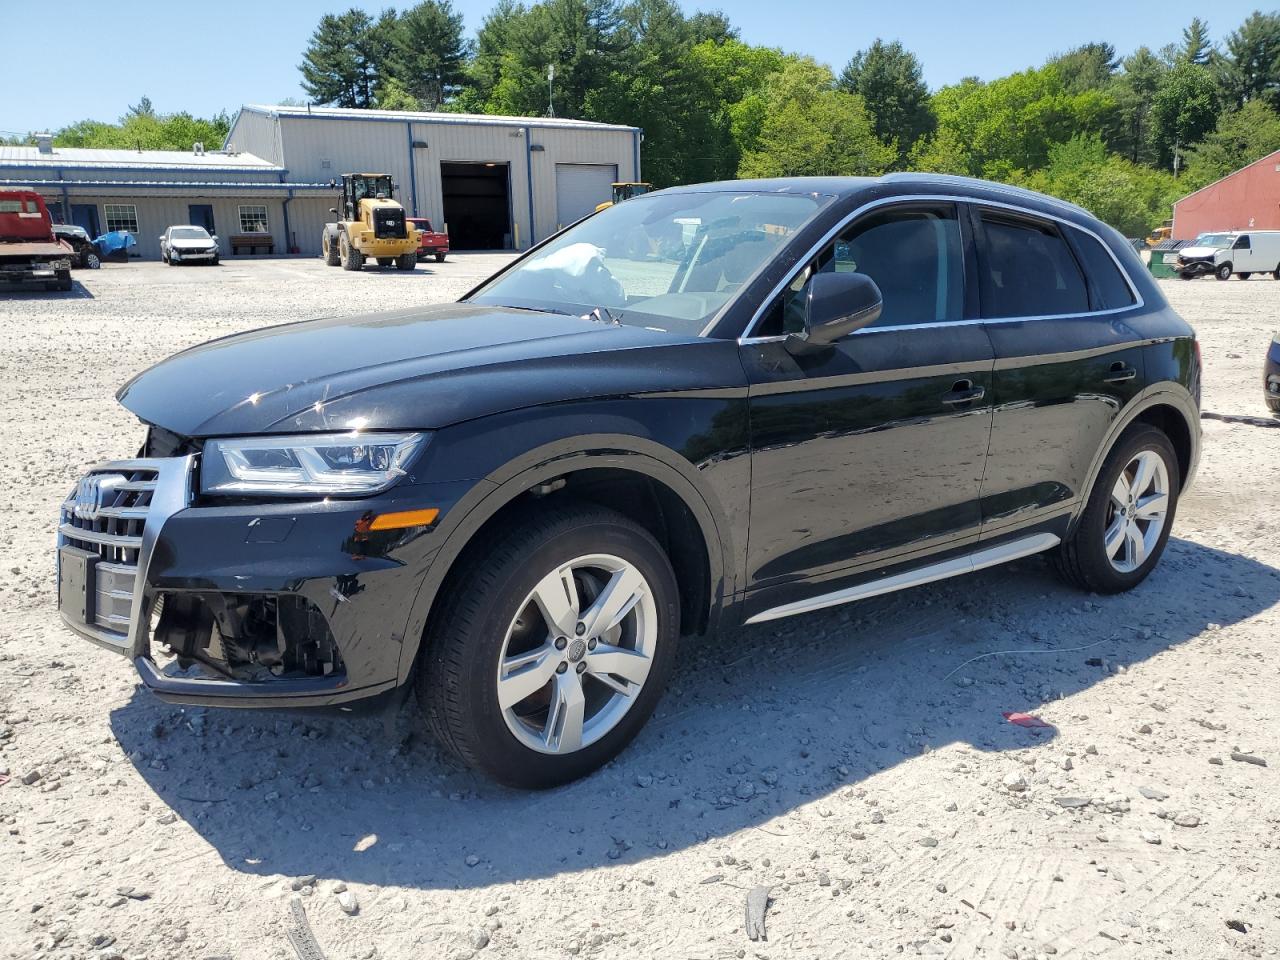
603	314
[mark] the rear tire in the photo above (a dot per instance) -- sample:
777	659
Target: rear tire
440	259
407	261
1223	272
1273	404
331	256
520	610
386	261
1245	275
1116	542
92	261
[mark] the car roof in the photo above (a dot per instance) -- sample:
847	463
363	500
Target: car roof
903	182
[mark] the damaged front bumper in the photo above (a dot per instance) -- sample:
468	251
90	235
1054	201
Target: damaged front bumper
242	604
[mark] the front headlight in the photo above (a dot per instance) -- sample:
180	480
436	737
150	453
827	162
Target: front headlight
329	463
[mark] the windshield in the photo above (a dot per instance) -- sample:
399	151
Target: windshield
188	233
1213	240
665	261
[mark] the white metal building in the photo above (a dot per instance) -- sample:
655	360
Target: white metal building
492	182
144	191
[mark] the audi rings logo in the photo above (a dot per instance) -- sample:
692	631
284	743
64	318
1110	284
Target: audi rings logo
93	492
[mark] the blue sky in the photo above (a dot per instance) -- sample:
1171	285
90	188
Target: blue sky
102	55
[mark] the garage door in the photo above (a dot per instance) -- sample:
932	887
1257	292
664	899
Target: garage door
580	188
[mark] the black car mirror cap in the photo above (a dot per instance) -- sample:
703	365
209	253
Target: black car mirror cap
836	304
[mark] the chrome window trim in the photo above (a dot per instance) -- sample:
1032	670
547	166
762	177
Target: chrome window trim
830	235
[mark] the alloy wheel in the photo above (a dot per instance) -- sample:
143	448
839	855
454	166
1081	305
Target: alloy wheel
577	654
1137	510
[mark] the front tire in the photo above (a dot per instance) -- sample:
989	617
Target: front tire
1122	533
351	258
407	261
553	646
1223	271
331	256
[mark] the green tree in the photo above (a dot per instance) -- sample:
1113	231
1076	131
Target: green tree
147	130
1183	110
814	129
1091	66
1009	124
582	39
1241	137
346	58
1129	197
666	90
1250	63
1134	89
393	95
889	79
428	53
1196	46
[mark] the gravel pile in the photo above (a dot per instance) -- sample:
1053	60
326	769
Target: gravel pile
873	800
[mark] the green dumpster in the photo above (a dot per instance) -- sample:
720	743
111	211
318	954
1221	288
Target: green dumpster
1164	259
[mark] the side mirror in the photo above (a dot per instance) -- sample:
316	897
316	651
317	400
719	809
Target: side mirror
334	211
214	238
836	304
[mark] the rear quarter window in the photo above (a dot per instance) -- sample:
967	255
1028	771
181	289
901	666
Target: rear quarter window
1111	291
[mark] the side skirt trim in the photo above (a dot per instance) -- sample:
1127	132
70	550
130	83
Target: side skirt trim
978	560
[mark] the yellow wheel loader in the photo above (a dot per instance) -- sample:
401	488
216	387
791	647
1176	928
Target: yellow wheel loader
370	226
624	191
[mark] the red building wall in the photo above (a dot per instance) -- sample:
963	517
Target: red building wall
1248	199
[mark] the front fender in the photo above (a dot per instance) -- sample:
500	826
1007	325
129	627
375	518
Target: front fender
549	461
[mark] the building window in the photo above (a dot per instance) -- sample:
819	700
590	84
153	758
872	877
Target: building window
121	216
253	219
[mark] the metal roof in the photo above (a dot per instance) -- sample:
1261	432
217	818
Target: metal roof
81	157
479	119
81	186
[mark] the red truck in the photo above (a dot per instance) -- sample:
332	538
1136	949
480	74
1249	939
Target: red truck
431	243
29	251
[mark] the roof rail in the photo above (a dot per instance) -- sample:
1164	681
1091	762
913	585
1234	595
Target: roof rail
959	181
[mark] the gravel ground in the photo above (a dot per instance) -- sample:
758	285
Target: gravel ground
856	761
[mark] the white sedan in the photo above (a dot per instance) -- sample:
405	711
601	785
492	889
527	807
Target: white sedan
188	245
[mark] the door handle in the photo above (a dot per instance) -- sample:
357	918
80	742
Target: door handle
1120	373
963	391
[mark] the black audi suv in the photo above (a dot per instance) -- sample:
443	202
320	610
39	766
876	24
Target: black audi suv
709	406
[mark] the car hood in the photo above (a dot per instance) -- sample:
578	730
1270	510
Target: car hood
420	368
1194	252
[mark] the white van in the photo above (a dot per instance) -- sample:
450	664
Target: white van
1238	252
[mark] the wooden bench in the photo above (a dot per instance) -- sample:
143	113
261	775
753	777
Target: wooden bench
251	242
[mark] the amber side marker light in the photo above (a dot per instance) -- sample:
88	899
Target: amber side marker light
404	518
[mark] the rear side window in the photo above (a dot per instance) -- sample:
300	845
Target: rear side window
1027	270
1110	289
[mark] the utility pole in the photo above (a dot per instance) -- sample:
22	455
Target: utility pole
551	93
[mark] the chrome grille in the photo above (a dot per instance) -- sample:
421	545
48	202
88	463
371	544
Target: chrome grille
106	515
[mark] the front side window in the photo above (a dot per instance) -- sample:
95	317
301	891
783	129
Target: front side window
1242	243
913	253
121	216
668	261
1027	270
253	219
